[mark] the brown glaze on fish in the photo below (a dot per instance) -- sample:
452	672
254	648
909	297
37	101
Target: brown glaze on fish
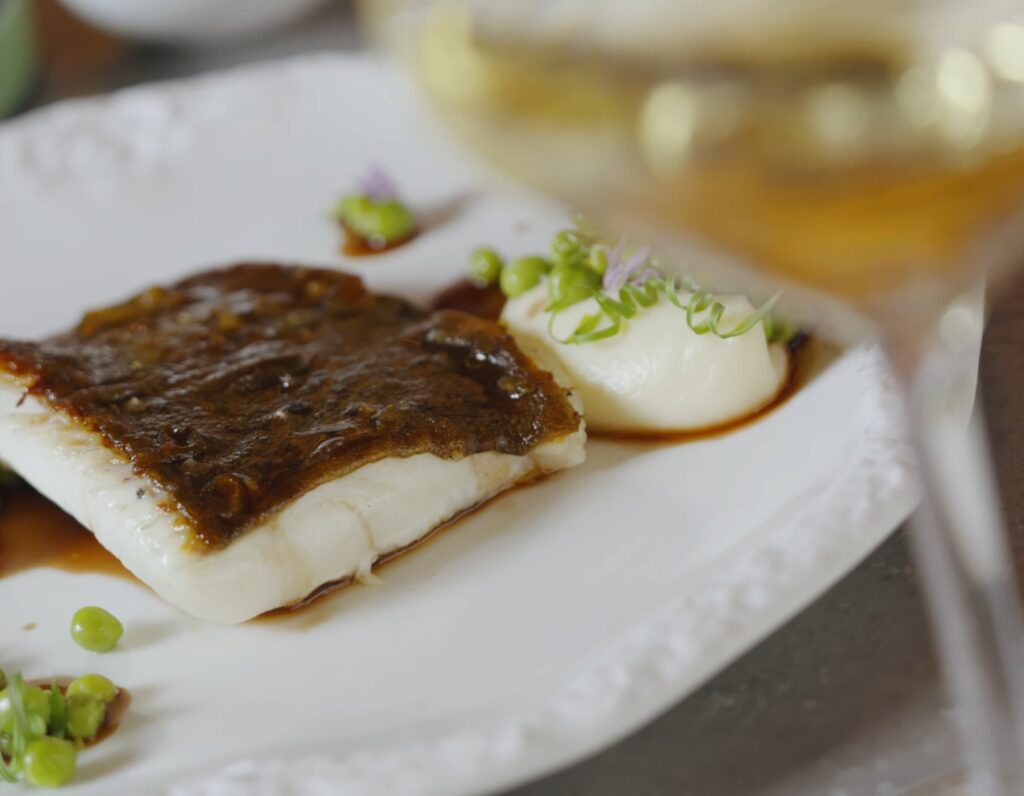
240	389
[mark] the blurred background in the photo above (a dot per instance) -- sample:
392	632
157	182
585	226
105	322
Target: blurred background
844	700
51	51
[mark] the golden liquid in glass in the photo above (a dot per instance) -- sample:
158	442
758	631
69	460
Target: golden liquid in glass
849	171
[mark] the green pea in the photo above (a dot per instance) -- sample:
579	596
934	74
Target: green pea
569	246
85	716
485	266
352	207
377	222
597	259
522	274
569	284
395	221
95	630
49	762
37	704
93	685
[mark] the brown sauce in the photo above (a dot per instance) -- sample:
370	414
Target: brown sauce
116	709
484	302
241	389
35	533
808	357
354	245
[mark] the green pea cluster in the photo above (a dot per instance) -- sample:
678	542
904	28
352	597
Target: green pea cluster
42	729
379	223
573	271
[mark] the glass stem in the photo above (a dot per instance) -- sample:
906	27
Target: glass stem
966	567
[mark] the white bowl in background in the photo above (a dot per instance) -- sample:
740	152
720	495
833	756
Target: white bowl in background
190	21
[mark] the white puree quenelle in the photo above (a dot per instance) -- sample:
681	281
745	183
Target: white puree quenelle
656	375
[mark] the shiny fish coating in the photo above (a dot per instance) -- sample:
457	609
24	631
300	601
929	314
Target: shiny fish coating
238	390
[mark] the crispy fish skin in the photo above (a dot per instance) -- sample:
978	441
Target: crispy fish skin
242	388
247	435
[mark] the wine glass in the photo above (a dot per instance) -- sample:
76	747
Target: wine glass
871	152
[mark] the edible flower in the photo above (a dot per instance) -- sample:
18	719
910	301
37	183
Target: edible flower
622	271
378	185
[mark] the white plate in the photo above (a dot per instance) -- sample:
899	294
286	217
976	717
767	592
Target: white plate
536	631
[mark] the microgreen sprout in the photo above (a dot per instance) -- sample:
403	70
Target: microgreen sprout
623	282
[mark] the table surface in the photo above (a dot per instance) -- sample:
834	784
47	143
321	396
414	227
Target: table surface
845	699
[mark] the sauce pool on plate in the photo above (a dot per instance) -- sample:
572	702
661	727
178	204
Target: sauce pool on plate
35	533
354	245
465	296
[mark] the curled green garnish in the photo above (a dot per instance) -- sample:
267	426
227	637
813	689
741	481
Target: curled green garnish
569	284
570	247
614	312
583	267
597	260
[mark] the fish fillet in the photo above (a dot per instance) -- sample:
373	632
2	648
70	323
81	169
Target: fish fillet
335	529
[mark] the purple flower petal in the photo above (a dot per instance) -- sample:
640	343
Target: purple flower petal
637	261
614	277
650	272
377	185
626	270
